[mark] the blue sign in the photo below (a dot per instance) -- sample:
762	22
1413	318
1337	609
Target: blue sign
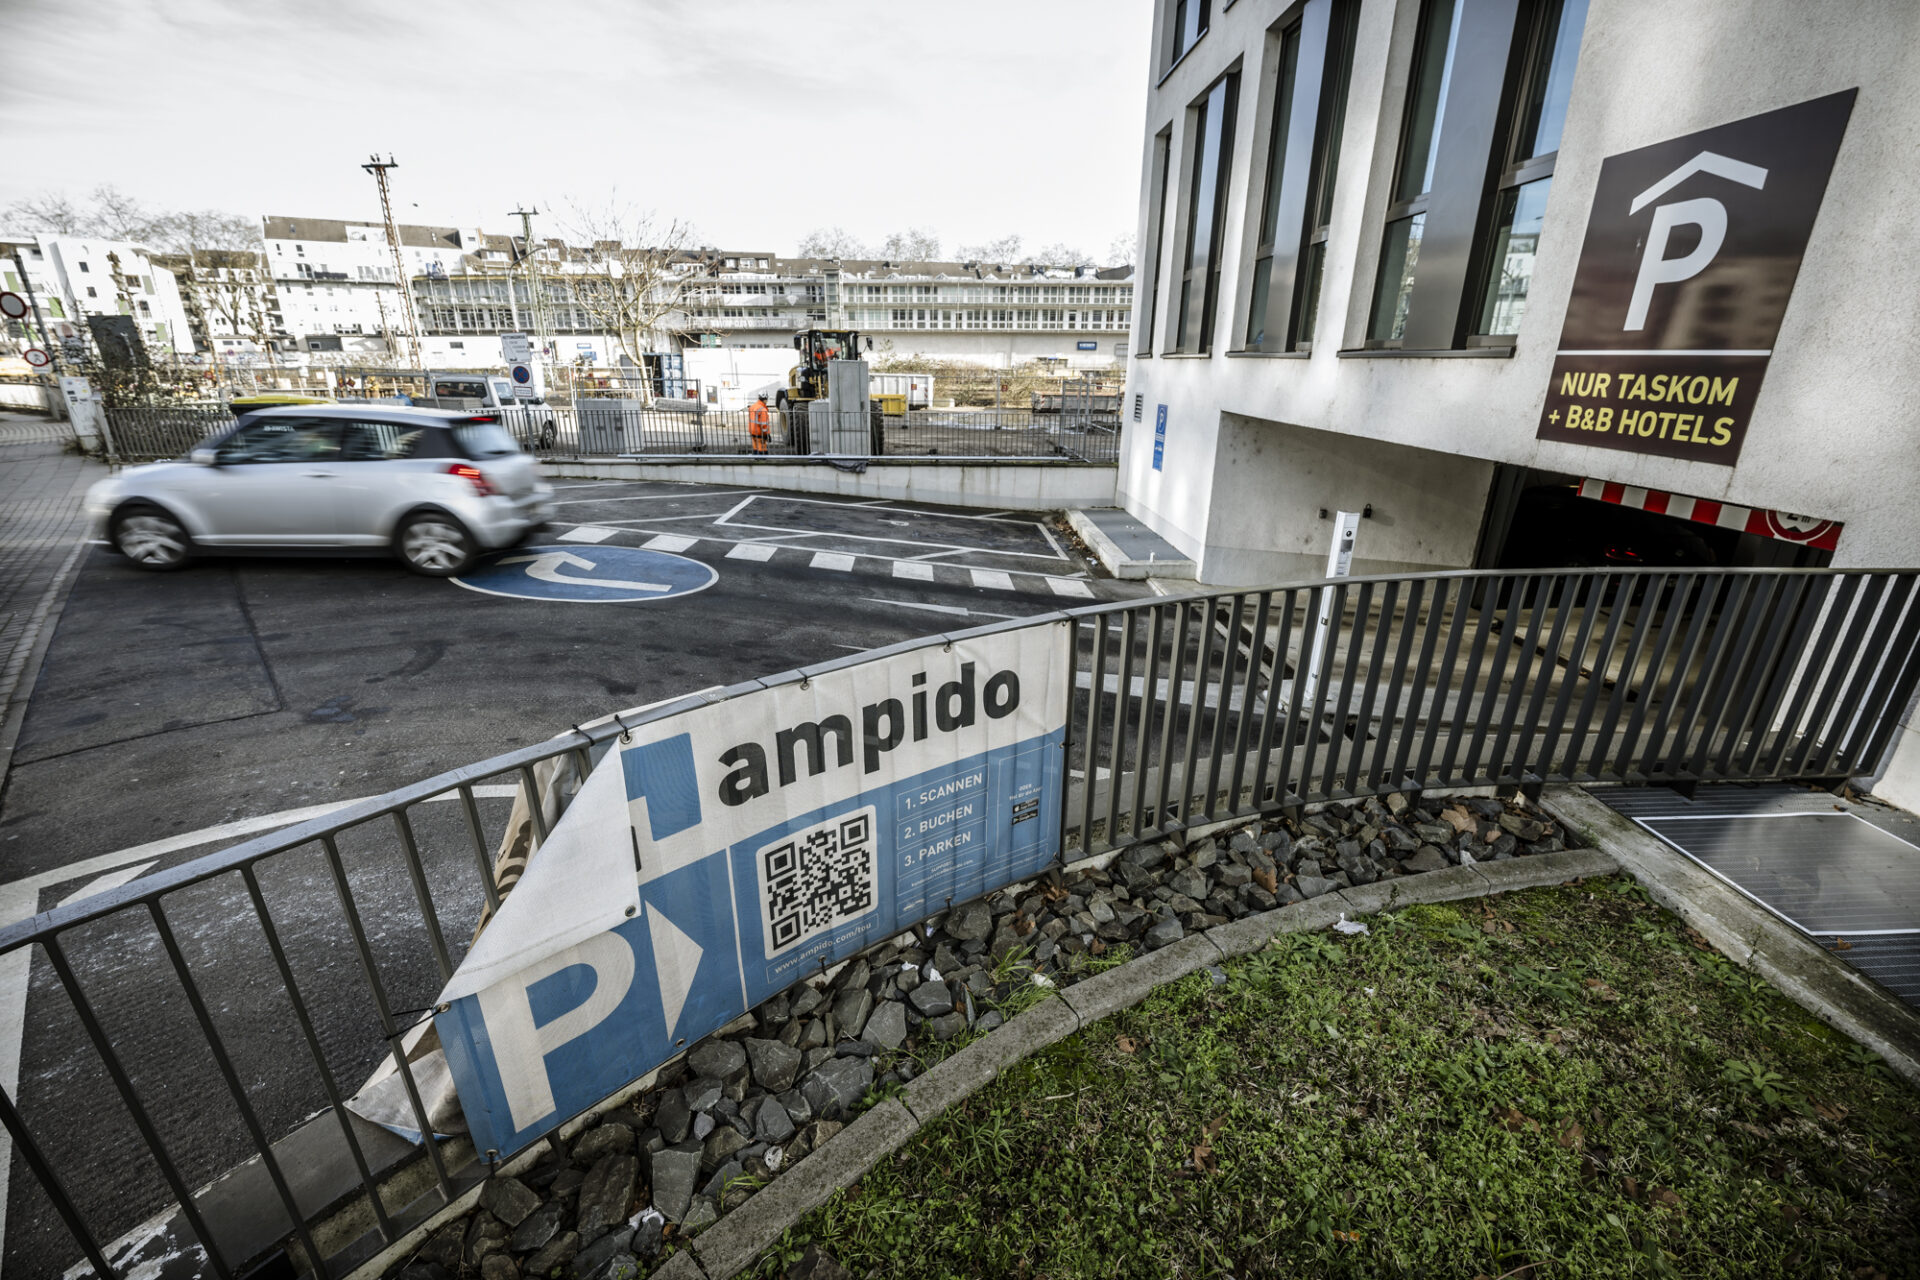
522	374
1159	437
1087	346
589	575
771	835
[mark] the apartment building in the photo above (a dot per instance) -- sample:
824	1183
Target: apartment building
1530	281
74	277
336	282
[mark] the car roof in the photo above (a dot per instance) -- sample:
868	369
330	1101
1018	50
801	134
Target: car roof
426	417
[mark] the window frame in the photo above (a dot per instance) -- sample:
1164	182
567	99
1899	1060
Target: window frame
1195	328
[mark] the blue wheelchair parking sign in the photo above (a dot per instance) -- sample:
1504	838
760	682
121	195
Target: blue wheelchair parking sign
592	575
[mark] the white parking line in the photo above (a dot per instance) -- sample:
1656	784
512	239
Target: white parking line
1070	587
832	560
751	551
644	497
588	533
668	542
913	569
991	579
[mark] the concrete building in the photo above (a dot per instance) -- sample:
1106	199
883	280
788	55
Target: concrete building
335	280
75	277
1533	281
989	314
231	306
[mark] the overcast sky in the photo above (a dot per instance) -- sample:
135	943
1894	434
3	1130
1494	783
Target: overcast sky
975	120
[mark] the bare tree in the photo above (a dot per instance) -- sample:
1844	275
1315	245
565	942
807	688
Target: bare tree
50	211
629	273
1005	249
1121	252
1058	255
915	244
115	215
831	242
194	229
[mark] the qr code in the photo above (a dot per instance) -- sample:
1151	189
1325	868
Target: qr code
816	879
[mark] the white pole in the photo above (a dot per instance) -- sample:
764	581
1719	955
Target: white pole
1346	527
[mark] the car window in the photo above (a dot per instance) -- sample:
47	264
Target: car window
461	388
502	390
484	440
282	440
378	441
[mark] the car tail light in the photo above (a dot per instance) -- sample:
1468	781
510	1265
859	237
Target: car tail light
473	476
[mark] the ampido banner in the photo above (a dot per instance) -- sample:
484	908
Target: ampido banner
728	851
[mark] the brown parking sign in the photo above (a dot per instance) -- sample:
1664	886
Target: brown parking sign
1692	249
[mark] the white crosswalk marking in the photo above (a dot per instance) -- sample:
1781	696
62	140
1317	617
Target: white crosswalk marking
752	551
588	533
913	569
991	579
1070	587
668	542
832	560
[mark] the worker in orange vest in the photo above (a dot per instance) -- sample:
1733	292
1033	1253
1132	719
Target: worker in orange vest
760	424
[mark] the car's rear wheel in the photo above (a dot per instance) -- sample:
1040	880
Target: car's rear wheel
547	435
151	539
433	544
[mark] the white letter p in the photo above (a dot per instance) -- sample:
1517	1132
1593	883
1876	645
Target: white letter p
1656	268
520	1048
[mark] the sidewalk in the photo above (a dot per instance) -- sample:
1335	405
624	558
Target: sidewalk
41	541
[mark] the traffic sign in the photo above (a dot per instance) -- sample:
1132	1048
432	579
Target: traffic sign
515	348
610	575
13	306
38	358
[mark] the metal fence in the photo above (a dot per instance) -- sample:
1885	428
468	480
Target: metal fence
274	971
1074	432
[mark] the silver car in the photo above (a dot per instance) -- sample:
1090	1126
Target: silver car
437	488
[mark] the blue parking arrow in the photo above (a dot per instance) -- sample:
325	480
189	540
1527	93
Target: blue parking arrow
609	575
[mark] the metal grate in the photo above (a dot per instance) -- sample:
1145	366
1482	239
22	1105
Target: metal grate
1139	405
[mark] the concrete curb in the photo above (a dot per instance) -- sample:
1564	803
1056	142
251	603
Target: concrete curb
1749	934
732	1244
1116	561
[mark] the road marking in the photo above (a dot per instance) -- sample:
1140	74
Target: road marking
644	497
991	579
550	567
668	542
913	569
752	551
588	533
832	560
1070	587
957	611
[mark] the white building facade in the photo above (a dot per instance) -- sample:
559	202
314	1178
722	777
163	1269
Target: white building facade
74	277
1380	236
335	279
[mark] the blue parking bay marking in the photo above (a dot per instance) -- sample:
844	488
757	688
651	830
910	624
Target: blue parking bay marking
601	575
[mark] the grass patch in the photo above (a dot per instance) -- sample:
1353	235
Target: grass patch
1563	1082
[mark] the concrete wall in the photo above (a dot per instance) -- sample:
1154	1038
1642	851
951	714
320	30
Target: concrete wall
1000	350
1835	431
999	487
27	397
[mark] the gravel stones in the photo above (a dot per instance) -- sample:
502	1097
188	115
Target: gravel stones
606	1195
716	1058
931	999
1166	933
775	1066
851	1009
673	1172
510	1199
1313	886
601	1140
1427	859
835	1087
969	922
537	1228
887	1028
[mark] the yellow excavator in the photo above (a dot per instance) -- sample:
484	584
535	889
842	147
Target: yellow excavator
807	382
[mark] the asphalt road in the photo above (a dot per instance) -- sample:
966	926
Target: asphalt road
237	688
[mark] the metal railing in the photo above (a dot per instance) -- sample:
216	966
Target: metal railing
265	975
609	427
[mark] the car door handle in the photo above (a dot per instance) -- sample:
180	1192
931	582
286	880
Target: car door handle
319	475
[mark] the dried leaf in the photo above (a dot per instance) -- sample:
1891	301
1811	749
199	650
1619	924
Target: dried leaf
1459	819
1553	1037
1841	944
1602	990
1831	1110
1632	1187
1489	925
1267	879
1514	1120
1573	1137
1665	1197
1022	926
1351	1237
1214	1128
1203	1159
1126	1044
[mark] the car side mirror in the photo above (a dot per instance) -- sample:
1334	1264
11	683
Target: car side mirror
204	458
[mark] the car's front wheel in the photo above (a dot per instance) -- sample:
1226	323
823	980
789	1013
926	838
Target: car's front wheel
151	538
433	544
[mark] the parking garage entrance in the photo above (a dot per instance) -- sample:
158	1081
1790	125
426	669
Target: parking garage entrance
1548	519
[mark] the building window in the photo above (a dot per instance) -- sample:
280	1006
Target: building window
1186	23
1312	70
1520	206
1156	233
1485	108
1206	215
84	266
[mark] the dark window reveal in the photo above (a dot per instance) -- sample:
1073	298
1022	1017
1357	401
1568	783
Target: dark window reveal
1206	215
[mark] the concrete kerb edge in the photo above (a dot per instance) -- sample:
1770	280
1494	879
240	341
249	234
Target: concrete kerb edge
736	1240
1749	934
